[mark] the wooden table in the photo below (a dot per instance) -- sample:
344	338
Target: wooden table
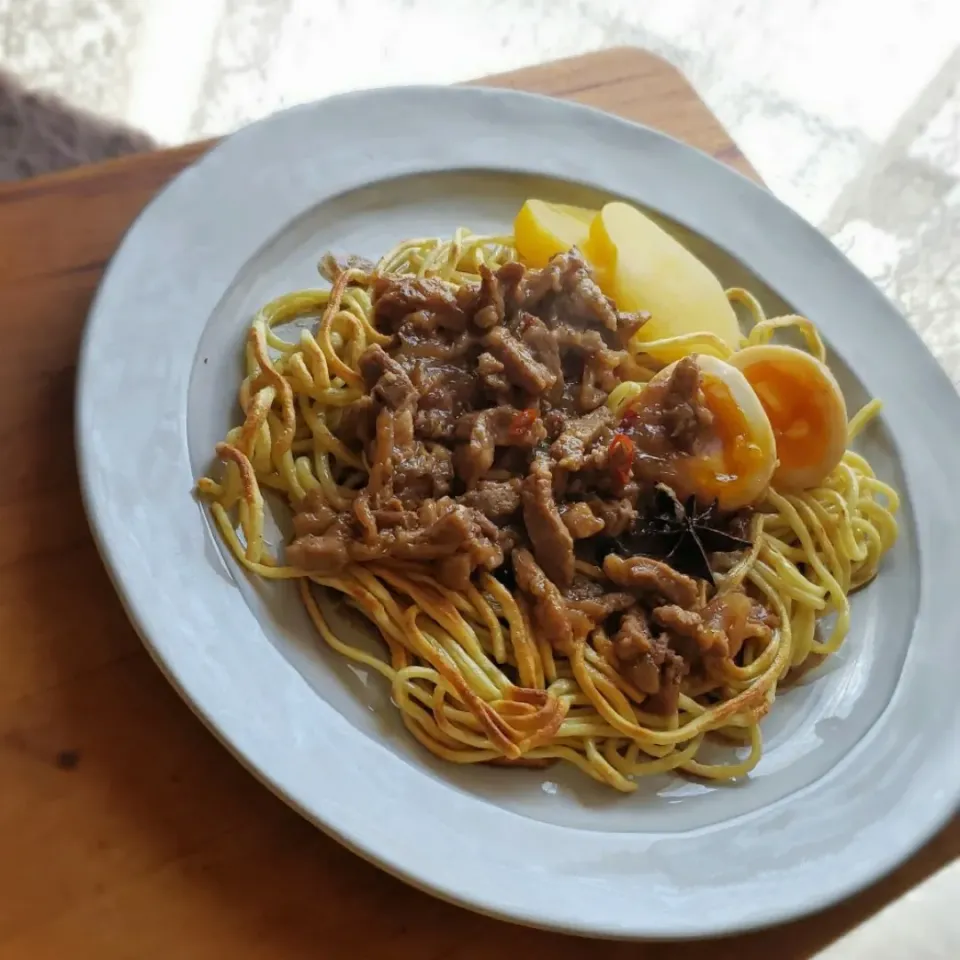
126	830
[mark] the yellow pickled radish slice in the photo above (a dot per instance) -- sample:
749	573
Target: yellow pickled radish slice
643	268
542	230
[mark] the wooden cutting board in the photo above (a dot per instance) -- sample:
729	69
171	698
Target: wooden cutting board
126	830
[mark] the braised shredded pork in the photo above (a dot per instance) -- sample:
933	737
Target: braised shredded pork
491	450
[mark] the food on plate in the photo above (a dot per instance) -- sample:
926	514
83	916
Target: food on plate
542	230
640	266
735	457
644	268
572	548
805	407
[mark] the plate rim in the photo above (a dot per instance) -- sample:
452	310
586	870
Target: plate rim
505	110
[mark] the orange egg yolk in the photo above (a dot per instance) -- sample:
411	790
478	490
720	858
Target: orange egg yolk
794	402
740	456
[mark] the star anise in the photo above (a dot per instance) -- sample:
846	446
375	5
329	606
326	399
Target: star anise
682	534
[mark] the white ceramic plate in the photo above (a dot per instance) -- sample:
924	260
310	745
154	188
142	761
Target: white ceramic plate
861	761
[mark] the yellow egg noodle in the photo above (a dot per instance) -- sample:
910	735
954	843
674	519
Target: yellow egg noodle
443	651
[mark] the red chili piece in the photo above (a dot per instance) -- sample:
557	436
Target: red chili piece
523	421
621	453
629	418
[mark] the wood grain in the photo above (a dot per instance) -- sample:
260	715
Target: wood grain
126	830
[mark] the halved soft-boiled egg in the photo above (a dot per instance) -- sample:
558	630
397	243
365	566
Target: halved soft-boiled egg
805	407
735	464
